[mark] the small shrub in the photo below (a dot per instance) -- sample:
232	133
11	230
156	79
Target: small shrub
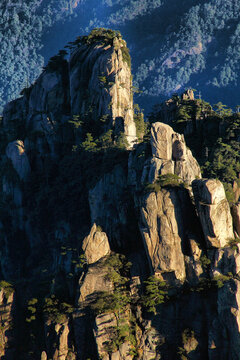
126	56
220	279
233	243
155	293
169	180
205	261
7	287
152	188
57	311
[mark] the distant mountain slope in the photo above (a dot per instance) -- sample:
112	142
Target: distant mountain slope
195	44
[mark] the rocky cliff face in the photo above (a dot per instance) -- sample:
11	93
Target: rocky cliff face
101	83
109	251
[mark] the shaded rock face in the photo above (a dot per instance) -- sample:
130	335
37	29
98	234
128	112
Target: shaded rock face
235	210
101	72
15	110
108	205
16	153
50	95
58	341
214	212
224	342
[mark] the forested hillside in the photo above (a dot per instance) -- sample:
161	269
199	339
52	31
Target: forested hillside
173	47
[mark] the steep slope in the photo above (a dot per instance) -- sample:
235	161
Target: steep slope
109	249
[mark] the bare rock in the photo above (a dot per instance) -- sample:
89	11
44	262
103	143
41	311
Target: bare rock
161	140
235	210
171	155
102	72
214	212
228	322
44	355
105	330
226	260
58	341
95	245
15	151
94	282
50	94
158	166
160	232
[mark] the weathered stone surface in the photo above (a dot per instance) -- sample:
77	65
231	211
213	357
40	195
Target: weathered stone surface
224	335
15	151
161	220
15	110
193	263
214	212
161	140
235	210
95	245
175	157
50	94
187	168
95	281
101	71
58	341
105	327
226	261
157	167
44	355
150	343
170	155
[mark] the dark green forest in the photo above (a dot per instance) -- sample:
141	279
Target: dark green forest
173	47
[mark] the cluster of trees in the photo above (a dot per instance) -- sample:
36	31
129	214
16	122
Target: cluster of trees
22	25
187	43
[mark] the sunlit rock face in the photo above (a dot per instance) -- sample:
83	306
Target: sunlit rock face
101	84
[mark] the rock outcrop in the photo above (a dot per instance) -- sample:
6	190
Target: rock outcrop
103	71
160	230
235	210
115	251
214	212
170	148
95	245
